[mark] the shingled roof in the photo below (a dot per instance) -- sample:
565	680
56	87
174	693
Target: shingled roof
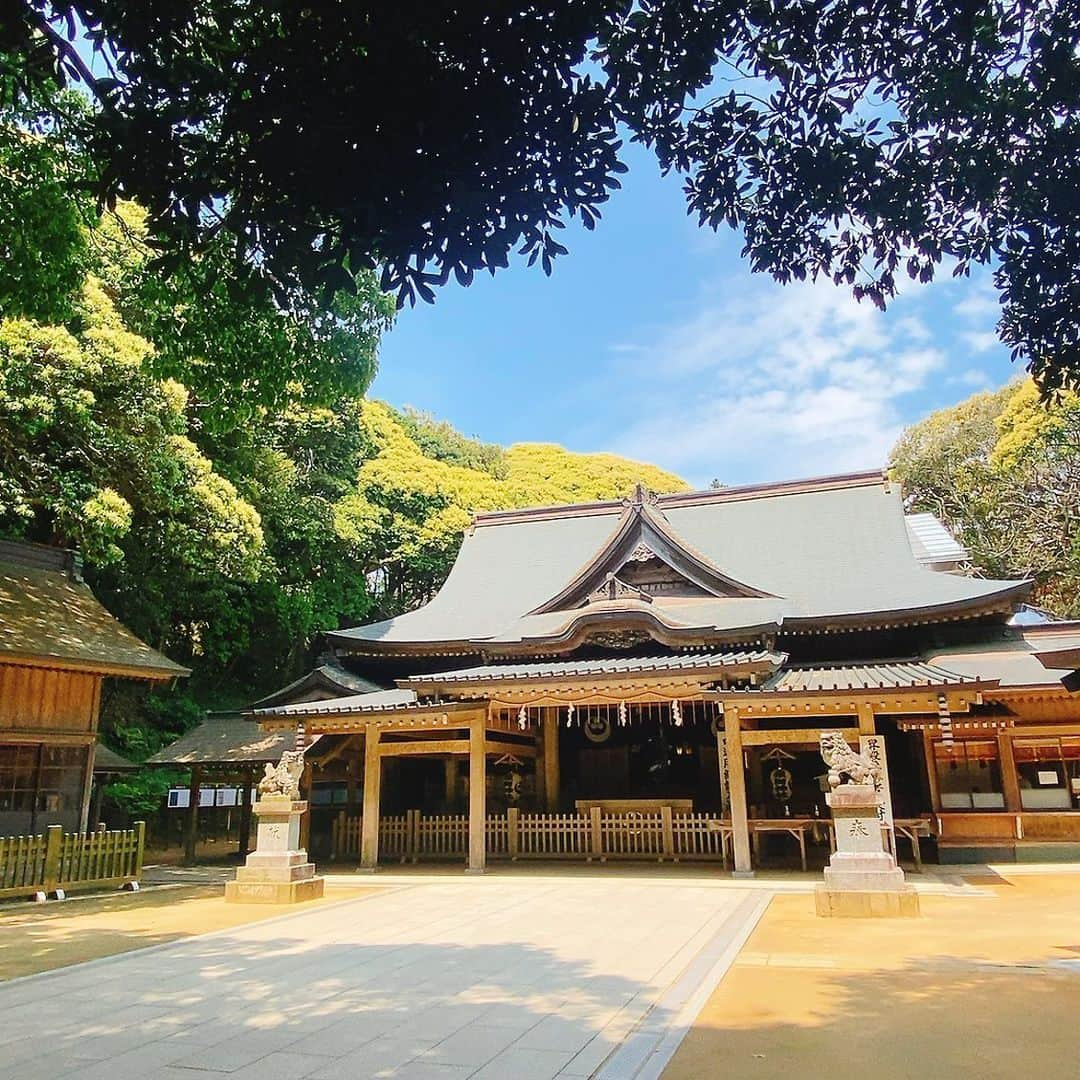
816	554
226	740
48	614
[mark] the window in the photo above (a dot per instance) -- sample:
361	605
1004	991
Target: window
1049	772
969	775
41	785
18	777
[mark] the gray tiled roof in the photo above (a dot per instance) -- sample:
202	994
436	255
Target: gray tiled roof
47	613
899	674
1014	661
602	666
830	550
379	701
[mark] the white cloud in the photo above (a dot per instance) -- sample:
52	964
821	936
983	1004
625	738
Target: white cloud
765	382
980	340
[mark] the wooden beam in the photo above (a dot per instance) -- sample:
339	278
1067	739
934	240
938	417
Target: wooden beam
477	799
551	760
811	736
867	725
245	812
500	746
423	746
737	791
369	823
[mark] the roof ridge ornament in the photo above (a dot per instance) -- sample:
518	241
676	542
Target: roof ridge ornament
614	588
641	496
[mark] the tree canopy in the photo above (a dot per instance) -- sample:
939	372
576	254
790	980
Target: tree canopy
1002	469
860	142
213	455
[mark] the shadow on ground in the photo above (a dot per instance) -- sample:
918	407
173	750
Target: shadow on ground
287	1005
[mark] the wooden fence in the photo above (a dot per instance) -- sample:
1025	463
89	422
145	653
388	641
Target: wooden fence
653	836
64	861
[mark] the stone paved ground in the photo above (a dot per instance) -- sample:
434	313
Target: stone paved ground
509	977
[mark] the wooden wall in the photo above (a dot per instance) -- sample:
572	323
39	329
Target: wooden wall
39	699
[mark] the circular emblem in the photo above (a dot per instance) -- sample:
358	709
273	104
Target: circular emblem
598	729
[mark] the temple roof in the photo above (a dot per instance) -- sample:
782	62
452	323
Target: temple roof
226	740
328	680
882	675
48	615
813	555
697	664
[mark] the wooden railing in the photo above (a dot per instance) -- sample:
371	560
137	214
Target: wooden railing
515	835
60	861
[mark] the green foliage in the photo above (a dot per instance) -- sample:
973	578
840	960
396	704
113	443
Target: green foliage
410	509
859	142
43	238
1003	471
238	351
209	450
140	795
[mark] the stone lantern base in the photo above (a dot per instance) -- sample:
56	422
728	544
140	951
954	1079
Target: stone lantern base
862	879
277	871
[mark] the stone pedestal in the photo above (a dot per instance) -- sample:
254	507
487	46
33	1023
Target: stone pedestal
277	871
862	878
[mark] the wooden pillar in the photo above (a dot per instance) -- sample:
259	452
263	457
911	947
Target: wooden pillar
450	773
305	793
369	824
191	822
931	771
244	842
551	760
737	791
866	719
477	797
88	775
1010	781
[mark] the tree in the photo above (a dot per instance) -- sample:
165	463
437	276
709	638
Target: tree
1003	471
855	141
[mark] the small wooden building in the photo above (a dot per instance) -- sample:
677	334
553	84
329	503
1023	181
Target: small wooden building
57	645
650	677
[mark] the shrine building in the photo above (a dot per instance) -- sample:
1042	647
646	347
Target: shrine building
648	679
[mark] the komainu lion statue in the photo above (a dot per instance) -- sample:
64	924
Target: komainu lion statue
844	762
283	779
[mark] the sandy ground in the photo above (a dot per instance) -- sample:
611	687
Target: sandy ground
986	986
35	938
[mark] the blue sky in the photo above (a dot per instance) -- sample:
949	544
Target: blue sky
653	339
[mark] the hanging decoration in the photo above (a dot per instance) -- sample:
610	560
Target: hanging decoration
597	727
945	721
623	719
523	719
676	713
570	714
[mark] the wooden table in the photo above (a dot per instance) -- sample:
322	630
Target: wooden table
727	837
793	826
913	828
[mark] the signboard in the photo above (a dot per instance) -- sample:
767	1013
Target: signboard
872	747
180	798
